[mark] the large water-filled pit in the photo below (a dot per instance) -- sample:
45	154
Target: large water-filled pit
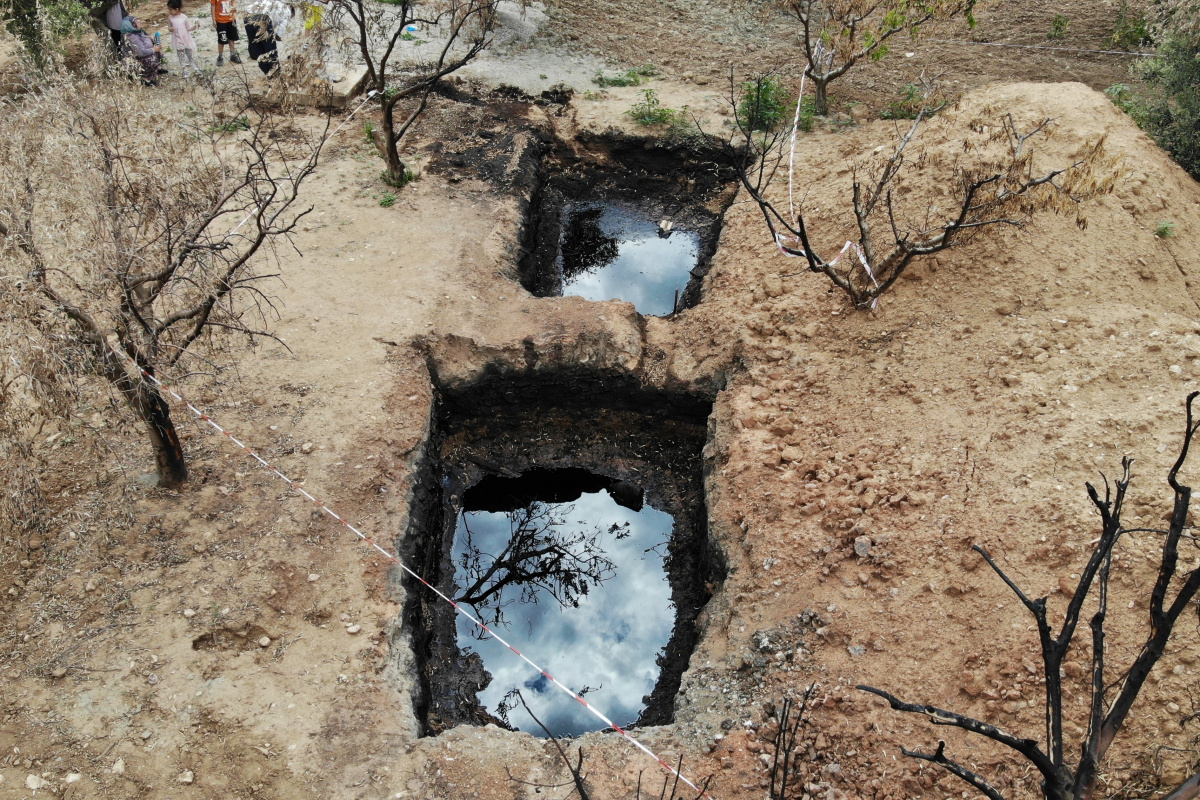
578	532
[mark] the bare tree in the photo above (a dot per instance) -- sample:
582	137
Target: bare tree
538	556
837	34
134	228
1109	703
993	183
459	31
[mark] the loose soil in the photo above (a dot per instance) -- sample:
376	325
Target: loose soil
230	641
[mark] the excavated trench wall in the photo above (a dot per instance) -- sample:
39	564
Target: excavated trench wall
595	391
511	426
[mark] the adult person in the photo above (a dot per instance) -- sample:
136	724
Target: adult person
265	22
108	16
138	46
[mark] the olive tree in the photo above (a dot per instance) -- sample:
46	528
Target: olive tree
907	204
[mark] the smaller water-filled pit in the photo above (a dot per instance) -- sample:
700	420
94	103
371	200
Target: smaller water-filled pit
581	535
642	228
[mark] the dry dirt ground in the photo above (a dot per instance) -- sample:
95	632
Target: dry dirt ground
229	641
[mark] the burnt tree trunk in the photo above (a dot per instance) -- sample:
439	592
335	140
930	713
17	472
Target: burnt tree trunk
146	401
168	452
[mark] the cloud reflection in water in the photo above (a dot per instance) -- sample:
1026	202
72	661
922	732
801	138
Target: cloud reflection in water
611	640
611	251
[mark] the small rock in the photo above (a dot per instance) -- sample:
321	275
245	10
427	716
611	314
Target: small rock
782	426
189	613
353	629
33	783
90	586
118	767
792	453
73	777
1175	369
59	672
146	735
264	641
199	548
187	776
152	679
306	448
773	285
862	546
856	650
312	576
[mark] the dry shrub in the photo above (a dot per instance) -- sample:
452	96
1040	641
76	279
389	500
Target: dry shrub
136	226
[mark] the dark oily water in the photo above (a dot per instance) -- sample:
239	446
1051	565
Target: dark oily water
613	251
579	587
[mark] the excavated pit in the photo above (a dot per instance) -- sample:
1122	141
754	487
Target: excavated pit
626	470
631	220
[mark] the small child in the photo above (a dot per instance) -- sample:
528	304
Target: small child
181	37
224	14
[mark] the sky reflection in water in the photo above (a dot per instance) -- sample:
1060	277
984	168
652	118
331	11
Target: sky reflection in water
612	251
610	641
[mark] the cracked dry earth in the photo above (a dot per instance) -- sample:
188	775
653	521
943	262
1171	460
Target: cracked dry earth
230	641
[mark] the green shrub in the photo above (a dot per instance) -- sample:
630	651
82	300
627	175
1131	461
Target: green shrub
1170	110
630	77
1131	29
1121	95
907	107
232	125
764	104
388	200
1058	27
650	110
1164	228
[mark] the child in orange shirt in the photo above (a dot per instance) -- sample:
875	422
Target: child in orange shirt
224	14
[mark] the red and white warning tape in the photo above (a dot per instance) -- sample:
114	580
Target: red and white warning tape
460	609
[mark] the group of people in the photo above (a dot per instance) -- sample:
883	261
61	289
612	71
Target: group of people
264	21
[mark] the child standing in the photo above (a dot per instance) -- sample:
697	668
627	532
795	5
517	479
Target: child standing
181	36
224	14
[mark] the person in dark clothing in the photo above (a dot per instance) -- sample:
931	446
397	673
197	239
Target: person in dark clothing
107	17
265	22
139	47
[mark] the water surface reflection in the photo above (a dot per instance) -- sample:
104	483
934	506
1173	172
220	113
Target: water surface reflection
581	587
613	251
